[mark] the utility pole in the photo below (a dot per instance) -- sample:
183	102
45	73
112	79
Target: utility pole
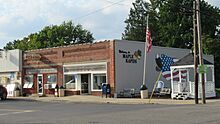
199	32
195	53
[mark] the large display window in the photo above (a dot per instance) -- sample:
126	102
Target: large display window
98	80
70	81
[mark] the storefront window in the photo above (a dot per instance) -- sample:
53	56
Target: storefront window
28	81
51	79
70	81
98	80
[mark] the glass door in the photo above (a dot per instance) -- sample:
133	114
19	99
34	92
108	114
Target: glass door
40	84
84	83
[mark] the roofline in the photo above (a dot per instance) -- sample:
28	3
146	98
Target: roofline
66	46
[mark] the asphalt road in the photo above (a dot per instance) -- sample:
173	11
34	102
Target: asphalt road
35	112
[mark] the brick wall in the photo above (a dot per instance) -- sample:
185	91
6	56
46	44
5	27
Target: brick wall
82	53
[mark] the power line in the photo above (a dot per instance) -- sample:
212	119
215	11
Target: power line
90	13
117	4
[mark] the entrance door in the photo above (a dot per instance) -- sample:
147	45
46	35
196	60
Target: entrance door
40	84
84	83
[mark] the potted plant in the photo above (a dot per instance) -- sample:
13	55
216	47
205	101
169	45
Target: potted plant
61	91
144	92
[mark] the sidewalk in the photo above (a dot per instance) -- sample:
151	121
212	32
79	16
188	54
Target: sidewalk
100	100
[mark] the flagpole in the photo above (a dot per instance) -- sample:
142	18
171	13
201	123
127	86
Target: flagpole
145	55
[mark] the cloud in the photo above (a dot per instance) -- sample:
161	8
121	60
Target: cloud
104	18
214	2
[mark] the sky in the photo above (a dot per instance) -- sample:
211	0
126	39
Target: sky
104	18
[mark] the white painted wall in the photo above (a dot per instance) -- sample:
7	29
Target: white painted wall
130	75
11	61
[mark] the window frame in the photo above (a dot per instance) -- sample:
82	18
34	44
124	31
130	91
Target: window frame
52	82
92	81
75	75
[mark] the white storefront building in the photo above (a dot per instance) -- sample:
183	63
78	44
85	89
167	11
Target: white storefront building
11	69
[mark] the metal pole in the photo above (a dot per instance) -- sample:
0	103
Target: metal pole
195	54
200	49
145	55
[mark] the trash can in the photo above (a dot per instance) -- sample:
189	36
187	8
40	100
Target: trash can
144	92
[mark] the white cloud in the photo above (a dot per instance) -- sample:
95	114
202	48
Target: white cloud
214	2
18	18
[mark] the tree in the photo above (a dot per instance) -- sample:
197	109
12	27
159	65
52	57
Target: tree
175	21
171	25
137	21
52	36
170	22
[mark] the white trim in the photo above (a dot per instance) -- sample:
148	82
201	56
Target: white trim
98	63
172	82
42	84
91	72
87	72
187	75
76	80
93	82
188	66
184	66
191	94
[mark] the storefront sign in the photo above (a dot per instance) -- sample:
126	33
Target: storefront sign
130	57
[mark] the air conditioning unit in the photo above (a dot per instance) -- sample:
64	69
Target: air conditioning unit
47	86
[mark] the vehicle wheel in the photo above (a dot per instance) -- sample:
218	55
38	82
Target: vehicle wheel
4	96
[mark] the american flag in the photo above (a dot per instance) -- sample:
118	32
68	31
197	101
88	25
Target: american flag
166	62
148	40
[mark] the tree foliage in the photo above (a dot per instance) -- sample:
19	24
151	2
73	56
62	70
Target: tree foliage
52	36
137	21
171	25
170	22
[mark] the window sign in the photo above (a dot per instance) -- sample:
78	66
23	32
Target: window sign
28	81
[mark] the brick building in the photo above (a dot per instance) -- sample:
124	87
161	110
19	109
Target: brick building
69	66
83	68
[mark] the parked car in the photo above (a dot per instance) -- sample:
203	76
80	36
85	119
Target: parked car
3	92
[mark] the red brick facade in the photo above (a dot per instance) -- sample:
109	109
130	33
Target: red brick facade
56	57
